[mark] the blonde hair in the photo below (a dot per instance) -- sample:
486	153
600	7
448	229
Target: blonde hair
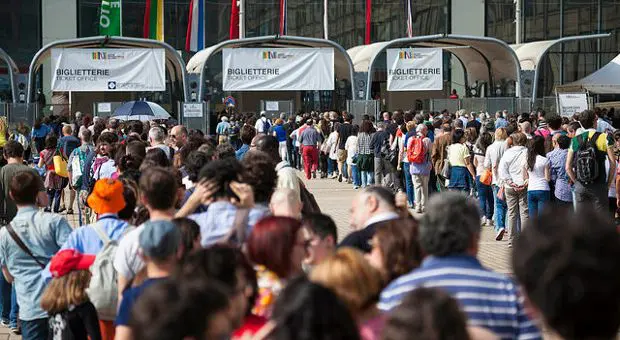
500	134
65	291
3	123
351	277
411	125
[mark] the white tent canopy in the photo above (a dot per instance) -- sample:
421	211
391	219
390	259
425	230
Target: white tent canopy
605	80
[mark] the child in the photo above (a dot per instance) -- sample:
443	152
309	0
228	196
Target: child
71	314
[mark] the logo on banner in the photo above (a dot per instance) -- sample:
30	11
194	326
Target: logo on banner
405	55
106	56
419	69
112	85
267	55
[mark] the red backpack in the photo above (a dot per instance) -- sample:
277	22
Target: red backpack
416	152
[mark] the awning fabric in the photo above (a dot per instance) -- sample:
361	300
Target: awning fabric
604	81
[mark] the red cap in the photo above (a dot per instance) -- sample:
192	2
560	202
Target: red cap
68	260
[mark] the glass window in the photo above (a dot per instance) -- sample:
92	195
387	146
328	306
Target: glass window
262	18
499	19
580	17
217	21
428	17
541	19
347	28
305	18
20	30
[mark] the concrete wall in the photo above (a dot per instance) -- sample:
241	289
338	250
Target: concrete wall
250	101
59	21
467	18
407	100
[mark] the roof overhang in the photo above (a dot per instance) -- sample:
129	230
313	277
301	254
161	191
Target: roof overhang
343	66
531	54
485	59
13	71
174	63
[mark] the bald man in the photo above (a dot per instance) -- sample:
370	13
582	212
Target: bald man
286	203
178	134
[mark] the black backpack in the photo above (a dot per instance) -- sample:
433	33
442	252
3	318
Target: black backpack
587	160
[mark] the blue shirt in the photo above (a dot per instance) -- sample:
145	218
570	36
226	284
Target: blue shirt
500	123
41	132
129	299
490	300
219	219
44	238
280	133
86	241
242	151
559	177
222	128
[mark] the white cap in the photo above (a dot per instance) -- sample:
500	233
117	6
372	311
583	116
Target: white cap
263	113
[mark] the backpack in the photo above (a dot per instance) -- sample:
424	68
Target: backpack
416	152
103	288
586	161
266	125
69	146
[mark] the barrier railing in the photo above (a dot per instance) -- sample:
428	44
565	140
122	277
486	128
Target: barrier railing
490	105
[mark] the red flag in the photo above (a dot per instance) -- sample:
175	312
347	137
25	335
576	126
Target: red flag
234	20
147	19
282	17
368	21
188	33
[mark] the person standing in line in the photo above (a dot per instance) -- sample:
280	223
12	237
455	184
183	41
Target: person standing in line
537	174
311	141
404	162
280	133
351	148
562	191
380	143
263	125
53	182
222	129
68	142
461	168
492	156
41	235
590	186
485	191
344	131
420	166
289	127
365	156
511	176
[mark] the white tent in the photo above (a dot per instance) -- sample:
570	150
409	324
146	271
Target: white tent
605	80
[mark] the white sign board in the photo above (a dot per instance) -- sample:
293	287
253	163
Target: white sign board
571	103
104	107
108	69
414	69
272	106
278	69
192	110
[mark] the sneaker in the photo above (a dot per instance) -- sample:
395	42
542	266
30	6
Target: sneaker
70	212
500	234
5	324
333	176
483	220
356	187
313	174
340	178
16	330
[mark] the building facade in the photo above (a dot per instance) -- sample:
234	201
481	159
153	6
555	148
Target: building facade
26	25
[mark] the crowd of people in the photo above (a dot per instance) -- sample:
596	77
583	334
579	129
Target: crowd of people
182	235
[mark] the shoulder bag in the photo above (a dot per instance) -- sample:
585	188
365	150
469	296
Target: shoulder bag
22	245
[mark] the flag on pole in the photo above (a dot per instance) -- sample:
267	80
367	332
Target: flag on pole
368	21
325	21
282	17
195	37
111	19
154	20
234	21
409	20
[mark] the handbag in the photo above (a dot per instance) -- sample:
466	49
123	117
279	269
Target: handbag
487	177
60	166
309	204
500	194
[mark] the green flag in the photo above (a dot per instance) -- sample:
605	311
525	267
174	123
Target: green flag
111	19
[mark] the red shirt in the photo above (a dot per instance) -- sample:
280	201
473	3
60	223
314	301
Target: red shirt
251	325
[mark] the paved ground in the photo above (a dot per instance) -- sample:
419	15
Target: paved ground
335	198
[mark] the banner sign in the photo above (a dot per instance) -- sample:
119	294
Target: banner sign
571	103
414	69
108	69
278	69
111	19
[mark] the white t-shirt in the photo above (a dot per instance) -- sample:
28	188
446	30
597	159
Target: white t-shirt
351	147
127	262
537	179
612	190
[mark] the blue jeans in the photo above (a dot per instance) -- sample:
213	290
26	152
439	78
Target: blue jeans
536	200
485	197
14	309
8	303
35	329
500	210
355	176
330	166
368	178
408	184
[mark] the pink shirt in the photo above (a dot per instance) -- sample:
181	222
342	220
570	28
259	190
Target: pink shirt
371	329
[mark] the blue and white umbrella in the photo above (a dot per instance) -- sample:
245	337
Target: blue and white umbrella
140	110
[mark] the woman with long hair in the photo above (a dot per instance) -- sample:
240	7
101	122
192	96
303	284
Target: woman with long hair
461	168
537	174
365	156
485	191
53	182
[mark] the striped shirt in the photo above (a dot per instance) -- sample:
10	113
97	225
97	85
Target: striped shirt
489	299
363	144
